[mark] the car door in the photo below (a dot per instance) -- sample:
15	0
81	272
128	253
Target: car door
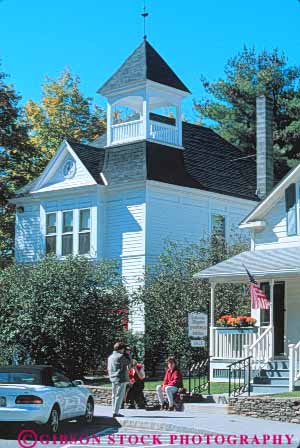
64	392
80	398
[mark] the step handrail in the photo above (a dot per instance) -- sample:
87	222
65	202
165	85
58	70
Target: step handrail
261	337
261	349
294	364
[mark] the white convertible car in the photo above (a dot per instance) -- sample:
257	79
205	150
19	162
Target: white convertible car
44	395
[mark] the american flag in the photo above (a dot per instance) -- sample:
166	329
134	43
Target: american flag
258	298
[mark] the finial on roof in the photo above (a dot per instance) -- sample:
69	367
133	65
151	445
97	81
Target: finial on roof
145	14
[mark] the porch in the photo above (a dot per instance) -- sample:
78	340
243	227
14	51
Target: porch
273	344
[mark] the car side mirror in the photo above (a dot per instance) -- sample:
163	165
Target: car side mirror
78	383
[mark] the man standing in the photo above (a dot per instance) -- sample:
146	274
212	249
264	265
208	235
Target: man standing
118	374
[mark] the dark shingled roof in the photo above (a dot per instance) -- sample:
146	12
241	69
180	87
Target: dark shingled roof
144	63
91	157
207	162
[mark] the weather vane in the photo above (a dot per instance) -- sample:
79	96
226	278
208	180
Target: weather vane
145	14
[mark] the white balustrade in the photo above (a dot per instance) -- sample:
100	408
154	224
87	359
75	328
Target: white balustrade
123	132
261	350
230	345
163	132
294	364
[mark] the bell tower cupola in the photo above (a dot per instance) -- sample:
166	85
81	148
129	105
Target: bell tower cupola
142	87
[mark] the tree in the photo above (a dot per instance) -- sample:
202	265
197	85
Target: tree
64	112
170	292
232	101
67	314
17	162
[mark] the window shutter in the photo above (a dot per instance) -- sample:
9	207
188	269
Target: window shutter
291	209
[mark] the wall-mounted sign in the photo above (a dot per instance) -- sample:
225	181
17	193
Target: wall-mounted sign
197	343
197	325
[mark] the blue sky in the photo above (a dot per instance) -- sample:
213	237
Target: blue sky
93	37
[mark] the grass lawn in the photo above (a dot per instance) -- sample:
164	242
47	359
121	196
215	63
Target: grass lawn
215	388
295	393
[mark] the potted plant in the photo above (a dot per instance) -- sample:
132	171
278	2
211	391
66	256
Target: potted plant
239	324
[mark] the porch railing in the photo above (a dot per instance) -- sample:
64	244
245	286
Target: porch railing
163	132
261	349
231	346
294	364
135	130
122	132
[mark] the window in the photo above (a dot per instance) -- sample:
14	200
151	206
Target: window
291	210
218	226
60	380
84	231
62	229
51	233
67	233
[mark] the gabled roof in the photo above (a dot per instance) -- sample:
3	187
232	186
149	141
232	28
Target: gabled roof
264	206
91	157
143	64
207	162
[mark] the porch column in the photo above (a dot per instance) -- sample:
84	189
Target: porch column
212	320
179	124
109	123
146	118
271	315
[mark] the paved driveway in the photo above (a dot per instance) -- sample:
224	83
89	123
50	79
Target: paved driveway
192	431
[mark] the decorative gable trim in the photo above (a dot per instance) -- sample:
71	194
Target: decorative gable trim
54	163
274	196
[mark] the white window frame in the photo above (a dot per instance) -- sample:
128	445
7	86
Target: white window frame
62	233
212	214
51	234
75	233
80	232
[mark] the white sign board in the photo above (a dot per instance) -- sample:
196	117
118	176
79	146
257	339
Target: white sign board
197	343
197	325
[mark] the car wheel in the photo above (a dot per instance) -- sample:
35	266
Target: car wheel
89	412
53	422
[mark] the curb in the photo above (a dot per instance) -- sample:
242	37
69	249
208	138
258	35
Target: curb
160	426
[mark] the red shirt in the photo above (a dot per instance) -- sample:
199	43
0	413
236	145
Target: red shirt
173	378
133	376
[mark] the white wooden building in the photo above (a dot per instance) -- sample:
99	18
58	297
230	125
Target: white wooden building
151	178
274	260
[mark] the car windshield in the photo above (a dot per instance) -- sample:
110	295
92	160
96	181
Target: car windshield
19	378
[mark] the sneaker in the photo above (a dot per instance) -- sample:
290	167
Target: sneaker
171	408
117	415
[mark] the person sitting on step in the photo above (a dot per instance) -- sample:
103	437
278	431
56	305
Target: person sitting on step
171	383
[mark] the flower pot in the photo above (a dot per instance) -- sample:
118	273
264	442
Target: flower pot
237	330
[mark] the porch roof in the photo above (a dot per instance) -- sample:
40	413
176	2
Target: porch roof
265	264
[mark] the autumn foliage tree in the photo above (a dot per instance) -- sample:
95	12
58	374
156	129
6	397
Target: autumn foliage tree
64	112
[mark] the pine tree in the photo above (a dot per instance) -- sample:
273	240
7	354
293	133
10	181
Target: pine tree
232	99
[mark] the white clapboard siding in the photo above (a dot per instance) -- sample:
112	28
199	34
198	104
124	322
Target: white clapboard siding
184	217
275	233
124	225
28	240
293	311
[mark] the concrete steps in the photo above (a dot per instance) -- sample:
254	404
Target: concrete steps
273	378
